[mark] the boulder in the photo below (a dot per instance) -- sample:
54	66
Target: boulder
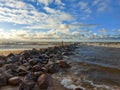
28	83
2	60
44	81
36	68
12	58
53	68
3	80
22	72
32	62
78	89
25	55
37	74
14	81
63	64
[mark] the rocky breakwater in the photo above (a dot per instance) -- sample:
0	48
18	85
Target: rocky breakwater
33	69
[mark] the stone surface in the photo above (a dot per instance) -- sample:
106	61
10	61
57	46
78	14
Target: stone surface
63	64
44	81
28	82
3	80
14	81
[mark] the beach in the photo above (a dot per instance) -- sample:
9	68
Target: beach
72	67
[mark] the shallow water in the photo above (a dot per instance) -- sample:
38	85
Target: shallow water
100	66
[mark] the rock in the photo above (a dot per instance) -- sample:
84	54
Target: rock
37	74
53	68
34	51
26	86
13	67
3	80
29	68
28	83
2	60
44	81
36	68
24	55
11	58
14	81
8	74
33	62
63	64
10	55
78	89
22	72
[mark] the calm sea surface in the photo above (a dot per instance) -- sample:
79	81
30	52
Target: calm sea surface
100	66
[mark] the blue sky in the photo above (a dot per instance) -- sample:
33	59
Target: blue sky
37	20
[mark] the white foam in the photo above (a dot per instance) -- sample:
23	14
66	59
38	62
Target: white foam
96	85
67	83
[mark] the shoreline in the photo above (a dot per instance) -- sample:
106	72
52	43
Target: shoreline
74	76
34	58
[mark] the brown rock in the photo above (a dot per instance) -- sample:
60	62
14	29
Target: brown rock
78	89
45	81
37	74
53	68
63	64
28	82
14	81
22	72
32	62
36	68
26	85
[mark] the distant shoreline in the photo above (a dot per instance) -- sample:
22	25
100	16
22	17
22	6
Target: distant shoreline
18	50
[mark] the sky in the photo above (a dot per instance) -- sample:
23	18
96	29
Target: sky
37	20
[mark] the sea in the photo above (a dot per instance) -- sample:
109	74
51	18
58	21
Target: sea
99	65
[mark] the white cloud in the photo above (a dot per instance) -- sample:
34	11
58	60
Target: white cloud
59	2
50	10
45	2
22	13
103	5
85	9
95	2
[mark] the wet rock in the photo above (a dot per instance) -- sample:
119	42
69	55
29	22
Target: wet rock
43	69
28	83
24	55
63	64
8	74
53	68
44	81
12	58
34	51
26	86
22	72
2	60
37	74
3	80
32	62
13	67
78	89
29	68
14	81
36	68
